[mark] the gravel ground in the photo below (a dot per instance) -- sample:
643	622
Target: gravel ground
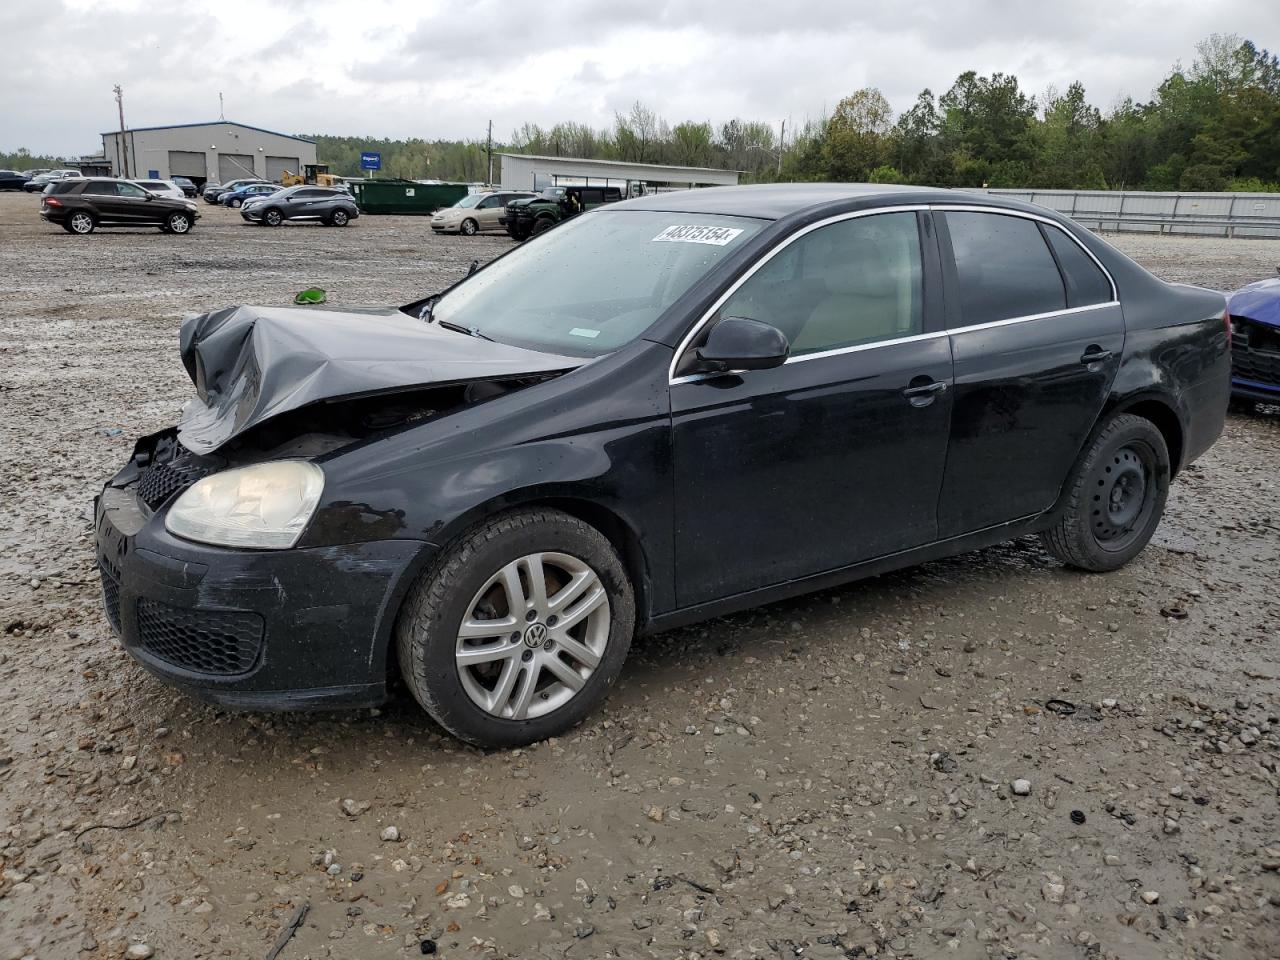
835	776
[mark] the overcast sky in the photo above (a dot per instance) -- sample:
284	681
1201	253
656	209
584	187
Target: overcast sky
405	68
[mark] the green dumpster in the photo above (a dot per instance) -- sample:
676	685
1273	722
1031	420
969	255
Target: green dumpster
405	196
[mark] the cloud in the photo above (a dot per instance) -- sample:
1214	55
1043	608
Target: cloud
432	69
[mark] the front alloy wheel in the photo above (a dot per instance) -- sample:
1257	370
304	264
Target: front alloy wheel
518	630
177	223
533	635
469	227
273	217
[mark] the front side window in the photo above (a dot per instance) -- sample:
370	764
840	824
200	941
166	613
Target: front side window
594	283
130	190
852	282
1004	268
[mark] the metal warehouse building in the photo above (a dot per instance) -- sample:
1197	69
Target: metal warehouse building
216	152
523	171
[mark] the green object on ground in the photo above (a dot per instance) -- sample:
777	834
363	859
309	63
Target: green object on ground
310	295
405	196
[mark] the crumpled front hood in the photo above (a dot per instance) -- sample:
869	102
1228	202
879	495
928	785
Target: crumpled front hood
1258	301
250	364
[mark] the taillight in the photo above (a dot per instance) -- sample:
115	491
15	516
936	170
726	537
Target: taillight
52	202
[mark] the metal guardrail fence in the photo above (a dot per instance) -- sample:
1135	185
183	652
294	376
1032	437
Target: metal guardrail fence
1196	214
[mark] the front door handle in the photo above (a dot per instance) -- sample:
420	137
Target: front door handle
1095	354
922	394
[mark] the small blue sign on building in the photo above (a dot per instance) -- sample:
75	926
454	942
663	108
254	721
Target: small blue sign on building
370	161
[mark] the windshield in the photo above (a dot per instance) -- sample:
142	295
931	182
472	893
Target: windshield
470	200
595	282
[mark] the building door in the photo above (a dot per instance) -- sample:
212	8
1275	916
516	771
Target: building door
234	166
189	164
278	166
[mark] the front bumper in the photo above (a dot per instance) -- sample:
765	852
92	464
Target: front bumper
252	629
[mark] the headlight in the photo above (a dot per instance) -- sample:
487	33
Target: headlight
266	505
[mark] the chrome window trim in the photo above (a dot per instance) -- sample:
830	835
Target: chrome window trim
672	379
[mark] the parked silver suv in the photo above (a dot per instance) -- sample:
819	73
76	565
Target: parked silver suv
333	208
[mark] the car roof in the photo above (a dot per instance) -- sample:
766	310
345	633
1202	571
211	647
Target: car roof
773	201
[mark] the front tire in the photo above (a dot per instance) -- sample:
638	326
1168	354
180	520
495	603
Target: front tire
469	228
272	217
541	225
516	633
1115	499
178	223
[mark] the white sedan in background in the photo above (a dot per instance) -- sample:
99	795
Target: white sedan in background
162	188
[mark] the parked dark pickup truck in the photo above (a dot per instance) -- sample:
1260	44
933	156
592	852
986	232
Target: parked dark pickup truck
529	215
676	407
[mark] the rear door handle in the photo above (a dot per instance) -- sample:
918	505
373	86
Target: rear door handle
922	395
1095	355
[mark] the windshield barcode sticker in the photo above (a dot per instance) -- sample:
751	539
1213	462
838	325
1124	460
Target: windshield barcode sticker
691	233
584	332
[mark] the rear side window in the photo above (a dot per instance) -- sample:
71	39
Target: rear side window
105	188
1004	268
1086	283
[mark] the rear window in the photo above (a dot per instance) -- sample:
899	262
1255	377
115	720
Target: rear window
1086	283
1004	268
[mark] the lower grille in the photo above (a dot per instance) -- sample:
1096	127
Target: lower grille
160	481
111	597
224	642
1261	367
1255	351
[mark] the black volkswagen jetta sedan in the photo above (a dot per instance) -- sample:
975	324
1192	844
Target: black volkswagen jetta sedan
669	408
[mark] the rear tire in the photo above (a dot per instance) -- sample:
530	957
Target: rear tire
1115	497
339	218
81	223
547	668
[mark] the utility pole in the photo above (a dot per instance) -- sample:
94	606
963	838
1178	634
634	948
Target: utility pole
124	152
489	150
782	142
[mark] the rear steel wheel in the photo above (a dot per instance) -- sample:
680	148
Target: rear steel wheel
1114	498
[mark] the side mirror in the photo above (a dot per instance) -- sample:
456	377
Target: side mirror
151	196
739	343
